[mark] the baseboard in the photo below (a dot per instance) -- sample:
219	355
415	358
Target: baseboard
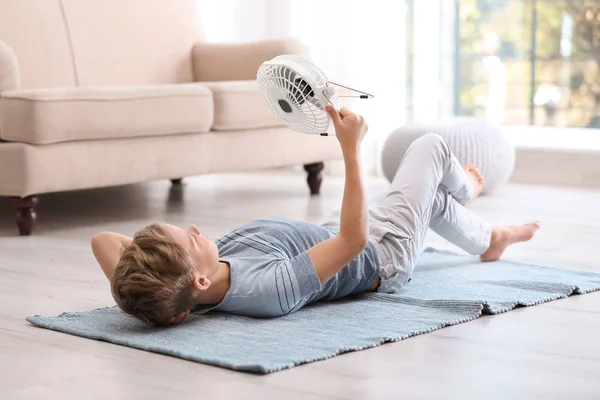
534	165
560	167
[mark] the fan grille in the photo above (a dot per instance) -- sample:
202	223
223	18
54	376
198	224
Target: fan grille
291	86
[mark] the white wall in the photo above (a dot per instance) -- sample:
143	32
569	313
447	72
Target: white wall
244	20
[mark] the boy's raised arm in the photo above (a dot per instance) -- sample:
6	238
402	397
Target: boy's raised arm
330	256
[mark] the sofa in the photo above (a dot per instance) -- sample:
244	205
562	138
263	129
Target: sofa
99	93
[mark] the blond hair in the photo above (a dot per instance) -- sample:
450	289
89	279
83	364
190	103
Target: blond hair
153	280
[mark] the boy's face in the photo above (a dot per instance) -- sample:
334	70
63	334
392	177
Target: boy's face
204	252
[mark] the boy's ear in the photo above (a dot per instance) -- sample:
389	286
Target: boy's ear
201	282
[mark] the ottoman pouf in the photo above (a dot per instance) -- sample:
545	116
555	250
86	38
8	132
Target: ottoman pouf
471	140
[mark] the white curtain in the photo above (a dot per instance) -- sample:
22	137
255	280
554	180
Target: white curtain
357	43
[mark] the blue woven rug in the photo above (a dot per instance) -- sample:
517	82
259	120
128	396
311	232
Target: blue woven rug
446	289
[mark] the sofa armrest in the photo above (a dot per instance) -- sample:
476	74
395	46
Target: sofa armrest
10	79
232	62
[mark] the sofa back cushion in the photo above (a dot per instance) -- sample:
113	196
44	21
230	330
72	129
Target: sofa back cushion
132	42
65	43
36	33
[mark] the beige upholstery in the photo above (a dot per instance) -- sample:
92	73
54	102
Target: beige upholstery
29	169
43	116
133	42
218	62
36	32
97	93
10	78
239	105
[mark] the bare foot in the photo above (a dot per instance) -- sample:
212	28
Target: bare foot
502	237
476	179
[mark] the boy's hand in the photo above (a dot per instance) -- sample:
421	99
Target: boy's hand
350	128
176	320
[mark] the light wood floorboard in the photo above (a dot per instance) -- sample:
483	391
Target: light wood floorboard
545	352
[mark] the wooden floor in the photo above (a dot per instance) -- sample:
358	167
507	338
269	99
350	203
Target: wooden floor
549	351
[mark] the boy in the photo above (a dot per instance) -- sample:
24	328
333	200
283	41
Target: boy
273	267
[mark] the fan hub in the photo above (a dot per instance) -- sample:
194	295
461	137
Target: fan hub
285	106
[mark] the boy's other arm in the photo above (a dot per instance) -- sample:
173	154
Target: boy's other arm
107	247
330	256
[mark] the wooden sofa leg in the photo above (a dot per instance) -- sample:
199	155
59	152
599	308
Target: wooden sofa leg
26	215
315	177
177	182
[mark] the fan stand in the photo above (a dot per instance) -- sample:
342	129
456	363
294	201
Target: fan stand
363	95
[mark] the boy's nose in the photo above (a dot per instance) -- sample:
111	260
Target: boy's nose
195	229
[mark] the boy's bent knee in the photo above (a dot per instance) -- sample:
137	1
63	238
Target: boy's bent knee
435	142
432	139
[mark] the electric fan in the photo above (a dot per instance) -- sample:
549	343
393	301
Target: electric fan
298	91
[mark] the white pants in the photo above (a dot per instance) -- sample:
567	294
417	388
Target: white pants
427	191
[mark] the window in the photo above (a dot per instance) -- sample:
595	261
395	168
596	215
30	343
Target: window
515	62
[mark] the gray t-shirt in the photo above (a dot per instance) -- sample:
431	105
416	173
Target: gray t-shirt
272	275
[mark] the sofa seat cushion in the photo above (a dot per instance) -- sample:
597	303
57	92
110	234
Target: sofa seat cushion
44	116
240	105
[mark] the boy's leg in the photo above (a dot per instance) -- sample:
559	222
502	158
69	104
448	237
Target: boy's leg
407	207
461	196
458	225
399	224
